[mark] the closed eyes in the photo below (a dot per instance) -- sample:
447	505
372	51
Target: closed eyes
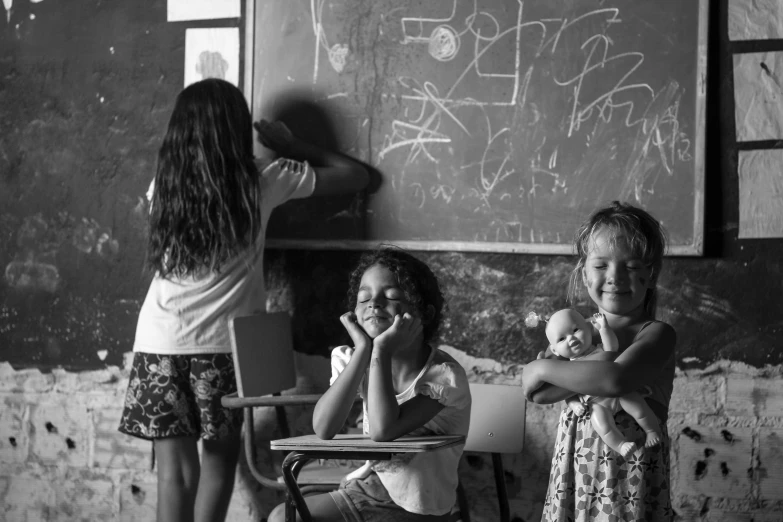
628	267
364	298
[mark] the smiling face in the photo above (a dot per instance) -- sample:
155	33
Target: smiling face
569	334
616	279
379	299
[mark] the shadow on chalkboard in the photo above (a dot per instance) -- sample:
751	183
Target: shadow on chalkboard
335	216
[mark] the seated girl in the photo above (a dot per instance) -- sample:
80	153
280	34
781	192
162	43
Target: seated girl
408	387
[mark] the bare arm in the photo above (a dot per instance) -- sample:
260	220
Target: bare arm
389	420
637	366
334	406
547	393
550	394
335	173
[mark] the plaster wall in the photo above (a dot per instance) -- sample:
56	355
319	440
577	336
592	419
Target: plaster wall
62	458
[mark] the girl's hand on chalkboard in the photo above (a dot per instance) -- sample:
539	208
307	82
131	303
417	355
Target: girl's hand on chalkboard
276	136
361	341
403	331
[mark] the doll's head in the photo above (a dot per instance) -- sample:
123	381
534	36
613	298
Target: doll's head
569	334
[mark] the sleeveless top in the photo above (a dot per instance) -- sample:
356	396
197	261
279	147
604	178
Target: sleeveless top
659	392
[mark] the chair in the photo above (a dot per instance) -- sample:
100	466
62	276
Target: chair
262	349
497	426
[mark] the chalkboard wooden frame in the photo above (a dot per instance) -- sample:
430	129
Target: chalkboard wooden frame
694	247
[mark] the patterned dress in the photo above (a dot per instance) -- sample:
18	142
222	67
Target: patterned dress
591	482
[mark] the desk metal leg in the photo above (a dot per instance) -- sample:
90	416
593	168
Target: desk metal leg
294	498
294	461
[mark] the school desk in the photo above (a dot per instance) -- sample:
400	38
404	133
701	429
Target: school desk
344	446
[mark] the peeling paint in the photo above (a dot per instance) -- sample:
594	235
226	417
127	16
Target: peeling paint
691	434
701	469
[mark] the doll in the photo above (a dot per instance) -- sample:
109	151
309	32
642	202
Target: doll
571	336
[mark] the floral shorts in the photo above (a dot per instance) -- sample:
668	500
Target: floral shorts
179	396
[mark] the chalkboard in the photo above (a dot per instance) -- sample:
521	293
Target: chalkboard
494	125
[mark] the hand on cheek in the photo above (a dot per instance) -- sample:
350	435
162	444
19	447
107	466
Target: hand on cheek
359	337
403	331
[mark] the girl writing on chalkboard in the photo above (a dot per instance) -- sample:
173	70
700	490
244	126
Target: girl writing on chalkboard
209	208
620	252
408	387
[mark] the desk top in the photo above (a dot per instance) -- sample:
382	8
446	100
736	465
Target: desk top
363	443
234	401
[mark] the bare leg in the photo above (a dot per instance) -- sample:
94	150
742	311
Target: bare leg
603	422
635	405
178	477
360	473
218	469
321	506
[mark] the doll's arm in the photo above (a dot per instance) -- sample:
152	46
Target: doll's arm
608	337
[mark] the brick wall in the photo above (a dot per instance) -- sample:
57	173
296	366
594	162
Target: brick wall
61	457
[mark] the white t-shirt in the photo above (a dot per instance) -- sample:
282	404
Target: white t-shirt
426	483
189	315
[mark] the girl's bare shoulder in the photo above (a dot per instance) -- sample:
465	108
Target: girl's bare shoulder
654	342
657	331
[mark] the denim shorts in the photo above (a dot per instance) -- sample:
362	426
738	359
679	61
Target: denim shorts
366	500
179	396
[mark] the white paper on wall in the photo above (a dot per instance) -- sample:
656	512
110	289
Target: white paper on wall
758	96
755	19
179	10
760	193
212	53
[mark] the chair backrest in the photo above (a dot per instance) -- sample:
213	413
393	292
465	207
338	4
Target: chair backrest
263	352
497	418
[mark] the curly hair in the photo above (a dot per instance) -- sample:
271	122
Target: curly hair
645	237
206	203
416	280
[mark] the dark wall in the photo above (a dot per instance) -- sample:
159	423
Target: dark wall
85	93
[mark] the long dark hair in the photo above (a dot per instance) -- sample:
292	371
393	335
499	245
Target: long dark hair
206	204
416	280
646	239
